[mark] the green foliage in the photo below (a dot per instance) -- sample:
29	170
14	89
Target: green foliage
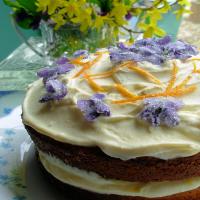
28	5
26	22
12	4
105	5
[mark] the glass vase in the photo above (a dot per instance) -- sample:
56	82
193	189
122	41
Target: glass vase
70	38
19	68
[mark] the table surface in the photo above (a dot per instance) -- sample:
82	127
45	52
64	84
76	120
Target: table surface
20	175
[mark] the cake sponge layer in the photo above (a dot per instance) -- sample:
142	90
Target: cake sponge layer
143	169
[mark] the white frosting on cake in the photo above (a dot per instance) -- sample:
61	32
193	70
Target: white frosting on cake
95	183
122	135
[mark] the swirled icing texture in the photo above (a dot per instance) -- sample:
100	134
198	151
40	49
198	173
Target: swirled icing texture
122	135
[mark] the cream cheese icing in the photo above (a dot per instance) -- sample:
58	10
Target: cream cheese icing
122	135
95	183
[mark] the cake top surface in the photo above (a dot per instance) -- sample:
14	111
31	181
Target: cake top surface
129	101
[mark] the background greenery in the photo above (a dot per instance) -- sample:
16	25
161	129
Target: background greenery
9	39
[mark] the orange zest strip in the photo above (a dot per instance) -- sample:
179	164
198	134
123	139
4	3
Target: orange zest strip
88	65
124	92
183	91
110	72
145	73
84	68
173	93
92	84
102	75
77	61
195	70
173	78
184	82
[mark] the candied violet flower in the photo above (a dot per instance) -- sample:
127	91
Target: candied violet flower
180	50
62	60
56	90
94	107
121	45
64	68
49	72
164	41
81	52
153	50
123	56
161	112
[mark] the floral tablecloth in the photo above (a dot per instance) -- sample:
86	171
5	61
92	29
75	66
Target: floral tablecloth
12	183
20	176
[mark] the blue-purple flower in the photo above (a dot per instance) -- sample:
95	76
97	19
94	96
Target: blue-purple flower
153	50
81	52
94	107
128	16
161	112
62	66
55	89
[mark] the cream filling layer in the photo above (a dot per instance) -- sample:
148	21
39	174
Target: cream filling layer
122	135
95	183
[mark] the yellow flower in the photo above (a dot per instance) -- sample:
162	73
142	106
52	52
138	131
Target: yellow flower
151	29
118	13
42	5
48	5
83	18
58	18
99	21
85	13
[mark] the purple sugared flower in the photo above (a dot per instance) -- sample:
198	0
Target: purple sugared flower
64	68
49	72
161	112
56	90
62	60
81	52
153	50
94	107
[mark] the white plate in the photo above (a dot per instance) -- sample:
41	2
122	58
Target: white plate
20	176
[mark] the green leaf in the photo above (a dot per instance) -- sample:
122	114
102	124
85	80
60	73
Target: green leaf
28	5
26	23
12	4
95	2
127	2
105	5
